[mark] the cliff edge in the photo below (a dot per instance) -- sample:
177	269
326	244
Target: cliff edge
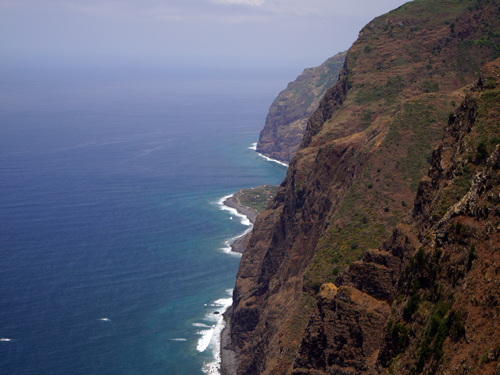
312	295
287	118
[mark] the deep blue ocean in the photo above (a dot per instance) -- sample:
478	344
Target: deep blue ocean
112	237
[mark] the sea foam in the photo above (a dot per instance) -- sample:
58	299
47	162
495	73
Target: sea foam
273	160
243	220
211	338
254	147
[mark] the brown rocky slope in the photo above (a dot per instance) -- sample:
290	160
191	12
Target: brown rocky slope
427	301
352	181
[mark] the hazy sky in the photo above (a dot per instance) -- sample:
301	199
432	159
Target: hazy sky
207	32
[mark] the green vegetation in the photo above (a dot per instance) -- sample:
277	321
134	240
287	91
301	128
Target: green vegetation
482	152
393	135
400	61
346	242
257	198
457	330
329	77
465	61
430	86
419	121
472	256
453	193
361	225
442	322
366	118
387	92
401	334
412	306
434	337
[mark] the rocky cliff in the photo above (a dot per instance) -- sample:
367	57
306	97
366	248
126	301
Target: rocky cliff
287	118
426	301
312	295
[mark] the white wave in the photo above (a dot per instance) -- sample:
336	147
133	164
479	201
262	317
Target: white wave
220	202
253	146
227	248
179	339
224	302
214	341
201	325
273	160
204	341
243	218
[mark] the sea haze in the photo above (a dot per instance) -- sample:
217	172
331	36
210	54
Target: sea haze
112	237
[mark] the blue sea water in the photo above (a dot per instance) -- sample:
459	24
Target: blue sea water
111	235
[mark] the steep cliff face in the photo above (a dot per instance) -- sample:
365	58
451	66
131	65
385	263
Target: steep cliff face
445	314
353	179
288	114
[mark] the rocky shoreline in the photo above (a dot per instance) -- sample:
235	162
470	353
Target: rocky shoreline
239	245
229	361
249	212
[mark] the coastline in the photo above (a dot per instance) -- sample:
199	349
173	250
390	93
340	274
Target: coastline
228	360
254	147
233	202
238	244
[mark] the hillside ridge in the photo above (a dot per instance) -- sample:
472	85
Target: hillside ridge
302	303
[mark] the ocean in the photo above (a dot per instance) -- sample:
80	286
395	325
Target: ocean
113	240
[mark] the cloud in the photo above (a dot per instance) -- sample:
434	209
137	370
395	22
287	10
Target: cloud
195	8
165	13
207	15
184	30
229	11
243	2
315	8
103	8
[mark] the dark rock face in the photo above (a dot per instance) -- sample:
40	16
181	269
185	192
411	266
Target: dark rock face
357	313
287	118
453	274
312	296
364	326
346	329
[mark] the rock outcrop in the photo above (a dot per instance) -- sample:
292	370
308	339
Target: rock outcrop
287	118
444	316
316	293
